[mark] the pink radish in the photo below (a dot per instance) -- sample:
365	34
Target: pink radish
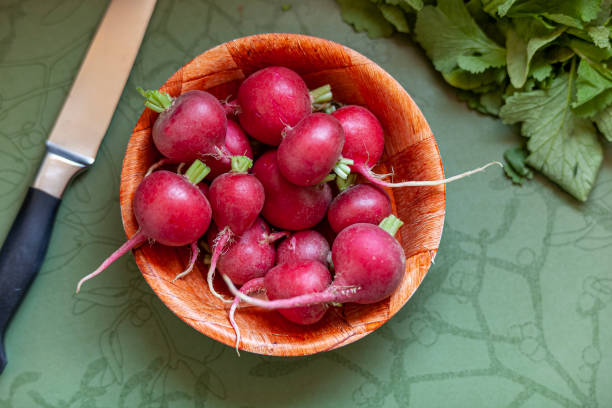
251	255
307	244
369	265
170	209
286	281
287	206
364	144
236	199
360	203
296	278
190	126
236	144
310	150
273	98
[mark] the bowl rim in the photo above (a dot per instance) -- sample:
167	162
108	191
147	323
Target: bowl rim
217	333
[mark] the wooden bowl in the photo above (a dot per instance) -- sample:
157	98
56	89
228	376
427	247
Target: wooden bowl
410	151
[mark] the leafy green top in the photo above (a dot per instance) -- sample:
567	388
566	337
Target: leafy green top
541	63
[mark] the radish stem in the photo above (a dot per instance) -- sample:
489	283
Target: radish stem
342	168
391	224
321	94
197	172
156	100
241	164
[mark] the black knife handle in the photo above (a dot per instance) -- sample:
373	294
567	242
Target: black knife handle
23	253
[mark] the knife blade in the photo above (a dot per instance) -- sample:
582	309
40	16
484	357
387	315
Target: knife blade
71	147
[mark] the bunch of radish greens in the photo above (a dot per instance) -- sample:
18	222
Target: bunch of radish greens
261	215
542	63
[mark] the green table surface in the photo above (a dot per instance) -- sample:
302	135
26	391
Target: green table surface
516	311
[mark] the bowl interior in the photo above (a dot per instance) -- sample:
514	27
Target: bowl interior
410	153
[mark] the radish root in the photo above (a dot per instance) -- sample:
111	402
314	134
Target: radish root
137	239
254	285
367	173
219	244
194	255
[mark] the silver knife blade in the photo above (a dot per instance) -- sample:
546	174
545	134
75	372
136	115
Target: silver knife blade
89	107
84	118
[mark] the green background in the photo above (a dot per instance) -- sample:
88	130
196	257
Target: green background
516	311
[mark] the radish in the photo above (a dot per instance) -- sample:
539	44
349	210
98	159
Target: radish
296	278
236	199
287	206
307	244
360	203
311	150
190	126
273	98
369	265
364	144
170	209
286	281
251	256
236	144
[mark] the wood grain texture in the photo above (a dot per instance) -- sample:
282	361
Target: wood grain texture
410	152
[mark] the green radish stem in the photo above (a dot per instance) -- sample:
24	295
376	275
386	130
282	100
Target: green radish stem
194	255
197	172
330	108
137	239
328	178
342	168
321	94
391	224
241	164
254	285
156	100
343	184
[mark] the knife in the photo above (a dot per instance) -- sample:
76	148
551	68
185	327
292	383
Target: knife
71	147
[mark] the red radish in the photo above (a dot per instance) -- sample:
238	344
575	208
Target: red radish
288	280
236	144
364	144
190	126
170	209
369	265
236	199
287	206
252	286
307	244
360	203
273	98
251	255
364	140
310	150
297	278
